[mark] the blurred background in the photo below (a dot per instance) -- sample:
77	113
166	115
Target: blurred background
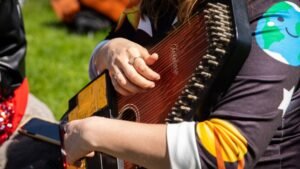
57	57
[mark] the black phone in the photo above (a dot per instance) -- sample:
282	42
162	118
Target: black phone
42	130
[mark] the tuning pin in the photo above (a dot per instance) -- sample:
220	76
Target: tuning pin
192	97
198	85
222	51
206	74
176	119
214	63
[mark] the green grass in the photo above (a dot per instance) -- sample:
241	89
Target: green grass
57	60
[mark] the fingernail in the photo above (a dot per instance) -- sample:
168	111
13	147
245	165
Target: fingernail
152	85
155	55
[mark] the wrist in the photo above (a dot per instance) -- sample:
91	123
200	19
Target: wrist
93	132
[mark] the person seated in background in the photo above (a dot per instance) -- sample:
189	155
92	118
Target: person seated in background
255	124
17	105
84	16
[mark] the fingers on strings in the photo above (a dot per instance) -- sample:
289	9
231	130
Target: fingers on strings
139	60
121	84
134	75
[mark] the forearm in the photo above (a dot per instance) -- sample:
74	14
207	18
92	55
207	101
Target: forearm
142	144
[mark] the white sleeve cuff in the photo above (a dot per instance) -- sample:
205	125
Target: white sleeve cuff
92	69
182	146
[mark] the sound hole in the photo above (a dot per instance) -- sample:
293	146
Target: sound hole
129	114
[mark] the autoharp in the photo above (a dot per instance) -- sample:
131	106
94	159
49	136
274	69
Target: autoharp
198	61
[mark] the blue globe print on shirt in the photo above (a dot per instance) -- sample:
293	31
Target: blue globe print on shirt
278	32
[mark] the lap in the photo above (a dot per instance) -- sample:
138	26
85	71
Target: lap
22	152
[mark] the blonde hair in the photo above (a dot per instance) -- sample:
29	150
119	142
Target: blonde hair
155	9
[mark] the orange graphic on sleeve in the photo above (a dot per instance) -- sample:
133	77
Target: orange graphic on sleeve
223	141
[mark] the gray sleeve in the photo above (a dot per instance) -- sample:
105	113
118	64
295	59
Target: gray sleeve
92	70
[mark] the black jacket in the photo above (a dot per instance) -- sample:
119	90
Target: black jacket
12	46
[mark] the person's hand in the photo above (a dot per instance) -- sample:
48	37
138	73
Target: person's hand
77	140
128	66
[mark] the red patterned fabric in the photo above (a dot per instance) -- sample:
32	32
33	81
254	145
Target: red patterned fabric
12	111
